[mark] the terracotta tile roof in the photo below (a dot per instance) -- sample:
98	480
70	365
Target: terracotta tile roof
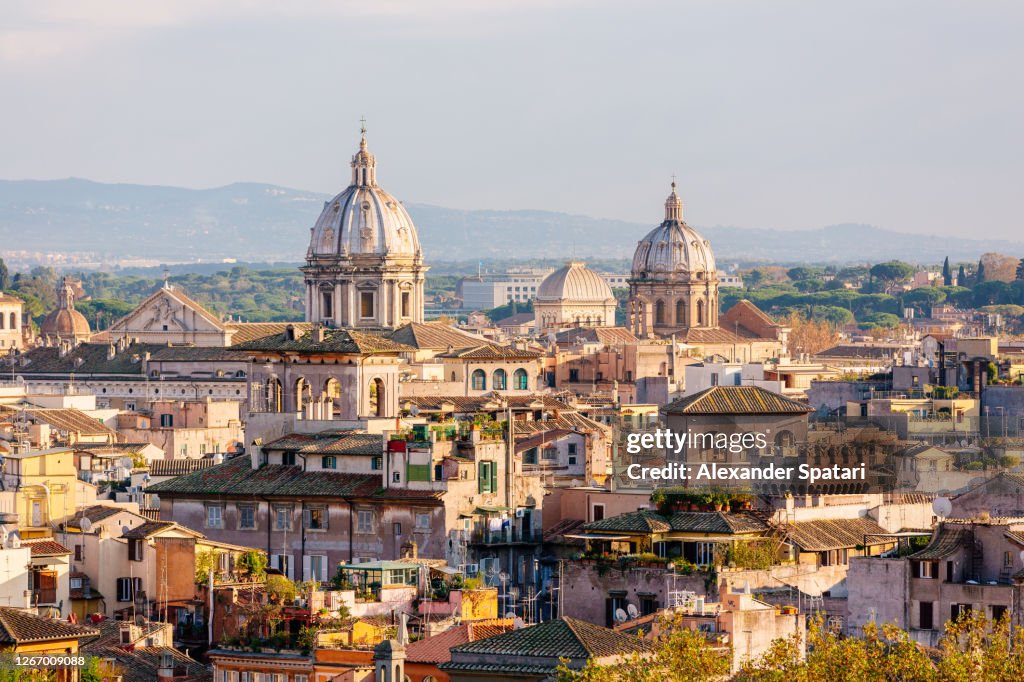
1015	536
236	477
555	639
484	403
197	354
18	626
109	634
557	532
330	443
7	298
538	439
516	320
178	467
608	336
437	649
92	358
947	541
245	332
491	351
45	547
434	336
570	421
142	664
150	528
97	513
736	400
347	341
825	534
850	351
724	523
66	419
642	521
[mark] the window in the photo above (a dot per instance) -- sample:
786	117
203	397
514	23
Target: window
958	610
75	583
598	513
498	380
317	567
127	587
396	528
316	518
288	459
487	473
377	463
246	517
549	453
135	546
329	462
574	375
927	569
998	612
167	420
572	453
530	456
364	521
283	563
300	678
326	305
79	552
438	472
479	380
520	380
422	521
659	312
366	304
282	518
214	516
406	299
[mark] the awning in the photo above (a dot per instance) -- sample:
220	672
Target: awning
597	536
447	570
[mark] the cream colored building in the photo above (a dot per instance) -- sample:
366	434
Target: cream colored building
573	295
10	323
169	316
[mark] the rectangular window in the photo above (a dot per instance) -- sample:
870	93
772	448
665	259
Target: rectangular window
406	300
957	610
422	521
366	304
326	305
998	612
288	459
365	522
396	477
167	420
396	528
329	462
135	546
282	518
549	454
530	456
318	568
598	513
214	516
316	518
246	517
127	587
283	563
78	552
574	375
928	569
487	473
377	463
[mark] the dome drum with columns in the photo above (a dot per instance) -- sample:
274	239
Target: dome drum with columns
364	267
674	283
573	295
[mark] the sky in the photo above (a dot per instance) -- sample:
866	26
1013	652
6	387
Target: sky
791	115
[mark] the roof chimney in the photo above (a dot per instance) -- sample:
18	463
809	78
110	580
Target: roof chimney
27	594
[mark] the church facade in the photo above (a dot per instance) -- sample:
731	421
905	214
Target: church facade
364	266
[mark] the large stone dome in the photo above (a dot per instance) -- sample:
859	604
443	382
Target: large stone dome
363	219
575	282
674	250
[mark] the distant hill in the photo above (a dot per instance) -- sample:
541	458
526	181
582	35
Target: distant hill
257	222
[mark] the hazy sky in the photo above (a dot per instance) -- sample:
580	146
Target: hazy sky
906	115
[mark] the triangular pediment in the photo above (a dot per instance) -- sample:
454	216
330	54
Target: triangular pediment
168	310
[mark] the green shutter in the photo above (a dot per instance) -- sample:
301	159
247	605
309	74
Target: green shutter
417	472
494	477
481	477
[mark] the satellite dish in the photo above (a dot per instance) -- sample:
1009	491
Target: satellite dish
510	614
632	610
942	507
621	616
85	525
414	410
125	529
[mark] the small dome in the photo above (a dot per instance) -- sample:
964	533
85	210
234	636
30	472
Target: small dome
65	322
673	248
574	282
363	219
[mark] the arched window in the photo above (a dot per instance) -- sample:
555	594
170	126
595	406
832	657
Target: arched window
274	395
520	380
453	376
378	402
681	312
589	321
332	389
498	380
1	321
659	312
302	394
479	380
700	312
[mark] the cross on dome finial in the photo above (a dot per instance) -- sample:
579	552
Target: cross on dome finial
362	125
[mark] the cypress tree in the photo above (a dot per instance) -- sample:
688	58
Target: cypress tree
947	274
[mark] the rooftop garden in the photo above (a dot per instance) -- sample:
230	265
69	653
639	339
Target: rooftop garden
679	499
